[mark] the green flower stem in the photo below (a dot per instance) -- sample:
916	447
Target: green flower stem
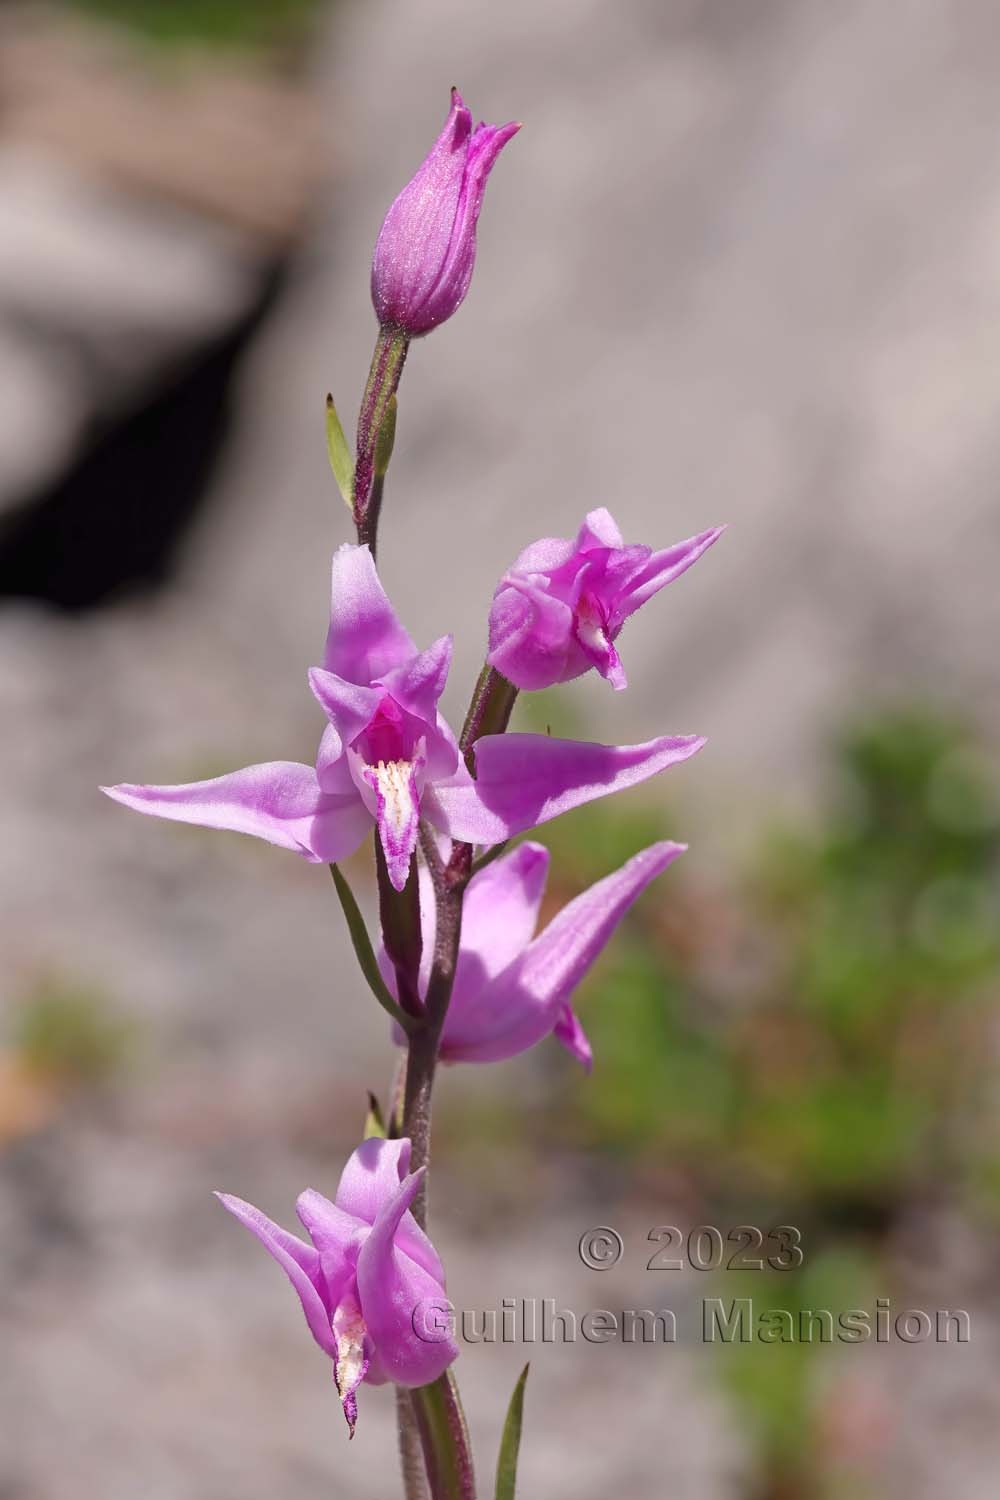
376	407
449	889
394	1119
399	914
411	1452
445	1439
489	712
438	1409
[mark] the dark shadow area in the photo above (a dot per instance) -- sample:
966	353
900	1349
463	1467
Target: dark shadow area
115	523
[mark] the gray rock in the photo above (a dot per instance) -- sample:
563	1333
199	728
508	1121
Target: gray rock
101	297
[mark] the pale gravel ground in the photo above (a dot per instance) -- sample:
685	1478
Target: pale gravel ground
742	264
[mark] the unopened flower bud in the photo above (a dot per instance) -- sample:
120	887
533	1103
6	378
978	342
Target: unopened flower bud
426	247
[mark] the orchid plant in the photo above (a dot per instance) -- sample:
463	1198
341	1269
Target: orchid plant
458	965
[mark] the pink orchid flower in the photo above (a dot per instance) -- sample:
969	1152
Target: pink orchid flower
512	989
387	756
366	1274
558	611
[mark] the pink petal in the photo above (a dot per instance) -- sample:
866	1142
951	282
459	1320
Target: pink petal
333	765
330	1227
571	1034
443	757
523	780
349	707
418	684
279	801
371	1177
528	1000
613	671
393	1291
365	638
530	633
498	918
368	1182
546	555
299	1262
416	687
599	529
339	830
662	568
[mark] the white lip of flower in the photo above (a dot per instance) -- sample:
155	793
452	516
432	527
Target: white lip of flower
349	1331
392	784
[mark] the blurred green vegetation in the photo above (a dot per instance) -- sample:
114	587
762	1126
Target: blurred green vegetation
807	1041
820	1028
70	1034
780	1389
243	24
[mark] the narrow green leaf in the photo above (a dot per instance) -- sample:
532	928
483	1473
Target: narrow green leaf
510	1442
364	952
386	438
374	1123
341	461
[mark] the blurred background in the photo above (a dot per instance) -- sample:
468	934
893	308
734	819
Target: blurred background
743	265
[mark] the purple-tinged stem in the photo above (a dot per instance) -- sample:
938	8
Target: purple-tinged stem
383	378
437	1407
445	1439
399	916
397	1093
421	1063
449	887
489	712
430	1418
411	1454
